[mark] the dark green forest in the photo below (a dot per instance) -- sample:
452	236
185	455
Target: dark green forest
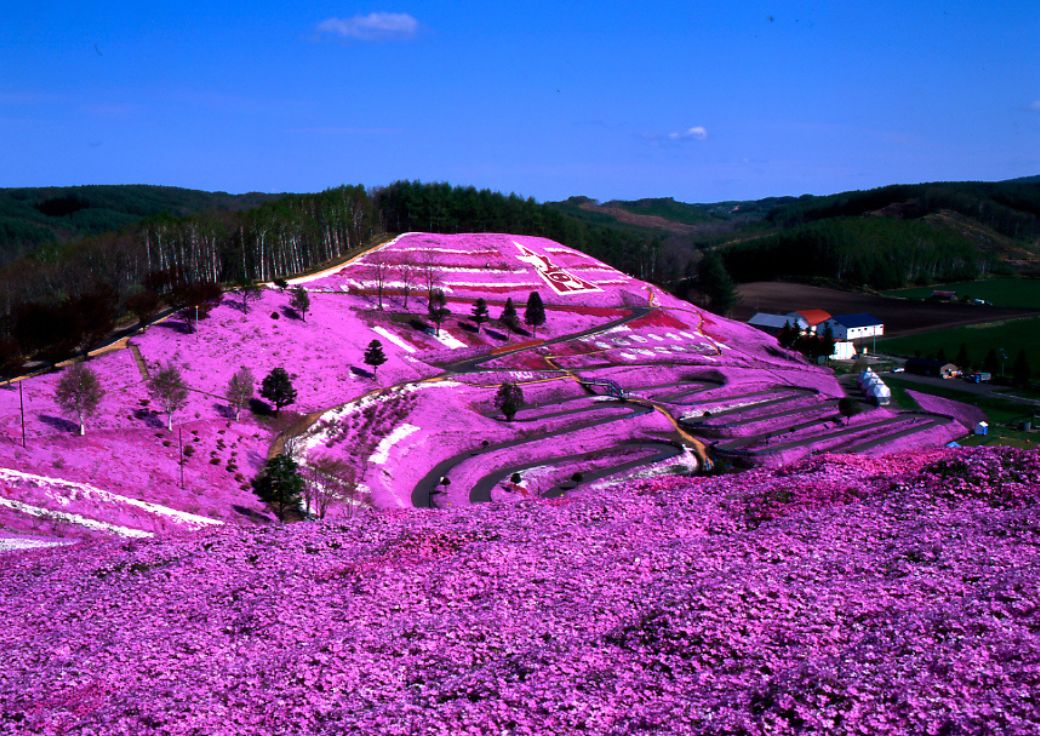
45	217
75	261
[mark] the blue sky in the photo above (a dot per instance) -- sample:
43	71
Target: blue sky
699	101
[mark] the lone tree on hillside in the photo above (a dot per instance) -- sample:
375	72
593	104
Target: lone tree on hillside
328	482
848	408
714	281
509	399
508	316
168	388
249	292
408	276
374	355
79	394
143	305
438	308
279	484
380	272
1020	371
534	312
480	313
301	302
277	388
241	389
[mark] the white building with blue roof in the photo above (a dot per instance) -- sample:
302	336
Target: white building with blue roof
854	326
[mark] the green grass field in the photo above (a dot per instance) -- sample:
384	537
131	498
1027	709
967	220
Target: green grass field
1004	415
1002	292
1011	335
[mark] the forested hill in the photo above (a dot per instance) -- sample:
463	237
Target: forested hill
41	216
880	237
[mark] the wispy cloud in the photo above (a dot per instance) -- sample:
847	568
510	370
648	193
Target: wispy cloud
372	27
1034	105
344	130
696	133
676	137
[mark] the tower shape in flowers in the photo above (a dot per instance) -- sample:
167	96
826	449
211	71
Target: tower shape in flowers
374	355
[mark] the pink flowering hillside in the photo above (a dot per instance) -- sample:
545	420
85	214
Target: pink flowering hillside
846	595
617	378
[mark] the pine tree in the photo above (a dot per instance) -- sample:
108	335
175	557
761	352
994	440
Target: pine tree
788	335
79	394
279	484
509	316
534	312
509	399
168	388
438	308
1020	371
277	388
300	301
962	360
240	390
480	313
991	363
715	283
827	341
374	355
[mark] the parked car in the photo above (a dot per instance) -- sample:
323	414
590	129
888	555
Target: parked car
977	377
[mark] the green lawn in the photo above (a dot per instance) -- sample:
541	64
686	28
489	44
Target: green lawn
1004	415
1002	292
1011	335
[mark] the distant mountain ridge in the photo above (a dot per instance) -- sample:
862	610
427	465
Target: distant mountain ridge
31	217
993	225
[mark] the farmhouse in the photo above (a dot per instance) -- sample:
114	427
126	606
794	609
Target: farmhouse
855	326
812	317
773	323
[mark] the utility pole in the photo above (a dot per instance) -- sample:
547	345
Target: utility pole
180	450
21	405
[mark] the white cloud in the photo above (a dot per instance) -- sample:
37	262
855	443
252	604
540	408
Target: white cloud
372	27
697	133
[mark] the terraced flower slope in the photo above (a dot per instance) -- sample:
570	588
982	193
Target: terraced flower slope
698	389
838	595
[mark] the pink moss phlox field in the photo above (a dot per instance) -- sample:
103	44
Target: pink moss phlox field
858	595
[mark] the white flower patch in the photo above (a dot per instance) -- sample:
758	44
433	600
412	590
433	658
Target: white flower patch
56	487
610	282
628	356
697	413
382	453
689	336
41	513
319	431
491	284
440	249
662	348
603	345
638	338
672	336
656	337
395	339
616	329
621	342
9	544
644	352
448	340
